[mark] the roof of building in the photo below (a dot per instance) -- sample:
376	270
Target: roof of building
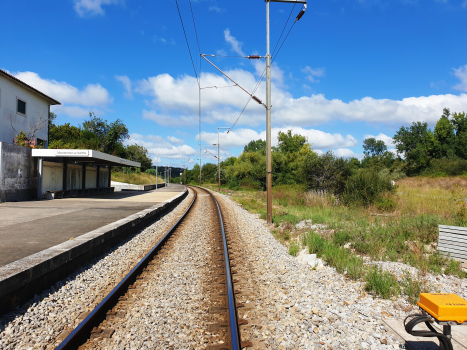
29	87
85	156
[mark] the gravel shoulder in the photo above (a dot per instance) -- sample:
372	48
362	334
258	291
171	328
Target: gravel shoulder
298	307
40	325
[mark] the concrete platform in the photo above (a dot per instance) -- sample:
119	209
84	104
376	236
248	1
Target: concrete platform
50	240
30	227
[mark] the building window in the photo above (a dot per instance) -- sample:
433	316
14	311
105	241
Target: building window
20	107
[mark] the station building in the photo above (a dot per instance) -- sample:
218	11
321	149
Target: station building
35	172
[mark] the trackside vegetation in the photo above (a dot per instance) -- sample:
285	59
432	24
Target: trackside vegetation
385	207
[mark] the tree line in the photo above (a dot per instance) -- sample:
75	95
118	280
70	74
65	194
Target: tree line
419	151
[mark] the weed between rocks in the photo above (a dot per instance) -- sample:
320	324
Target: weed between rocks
382	283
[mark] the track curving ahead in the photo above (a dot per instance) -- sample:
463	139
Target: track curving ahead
83	331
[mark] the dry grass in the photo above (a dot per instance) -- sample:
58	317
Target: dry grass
423	195
136	179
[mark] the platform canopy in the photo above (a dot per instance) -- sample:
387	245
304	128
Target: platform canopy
85	156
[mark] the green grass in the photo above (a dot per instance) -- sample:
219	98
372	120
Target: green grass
404	235
136	179
294	248
382	283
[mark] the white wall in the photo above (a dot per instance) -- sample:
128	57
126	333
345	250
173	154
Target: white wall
74	179
104	177
35	106
52	177
91	177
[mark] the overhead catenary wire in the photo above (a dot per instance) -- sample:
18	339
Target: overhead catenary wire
196	32
260	80
186	39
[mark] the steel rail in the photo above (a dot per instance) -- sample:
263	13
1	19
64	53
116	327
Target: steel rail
234	329
83	330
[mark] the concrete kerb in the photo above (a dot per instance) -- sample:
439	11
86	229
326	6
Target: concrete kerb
22	279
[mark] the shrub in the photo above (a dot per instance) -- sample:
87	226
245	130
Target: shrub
327	173
446	167
294	248
365	187
151	172
382	283
385	204
454	268
413	287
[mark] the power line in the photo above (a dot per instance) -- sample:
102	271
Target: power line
186	39
196	32
260	80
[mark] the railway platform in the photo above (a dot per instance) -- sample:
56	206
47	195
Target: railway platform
29	227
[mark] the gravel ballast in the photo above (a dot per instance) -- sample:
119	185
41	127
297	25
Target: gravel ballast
298	307
64	306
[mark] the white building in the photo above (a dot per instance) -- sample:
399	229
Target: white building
23	107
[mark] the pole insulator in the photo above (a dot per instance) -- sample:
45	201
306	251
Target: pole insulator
254	57
300	15
257	99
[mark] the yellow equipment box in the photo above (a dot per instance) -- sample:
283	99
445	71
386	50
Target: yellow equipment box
444	307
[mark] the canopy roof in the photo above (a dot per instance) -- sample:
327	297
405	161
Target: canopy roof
85	156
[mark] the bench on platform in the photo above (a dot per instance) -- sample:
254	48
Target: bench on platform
453	242
78	193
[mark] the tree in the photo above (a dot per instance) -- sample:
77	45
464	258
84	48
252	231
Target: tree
139	154
255	146
208	172
416	145
444	137
373	148
288	143
459	121
327	173
109	134
28	135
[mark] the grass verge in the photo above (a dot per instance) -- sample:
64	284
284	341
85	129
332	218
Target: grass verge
136	179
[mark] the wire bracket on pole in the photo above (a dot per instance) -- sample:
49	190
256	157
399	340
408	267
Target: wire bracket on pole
233	81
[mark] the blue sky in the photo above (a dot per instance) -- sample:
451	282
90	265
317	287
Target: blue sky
349	68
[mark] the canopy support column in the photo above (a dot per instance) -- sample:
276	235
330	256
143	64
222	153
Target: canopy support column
39	178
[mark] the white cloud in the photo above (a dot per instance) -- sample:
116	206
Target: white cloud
75	102
317	138
180	95
381	137
346	153
159	146
167	120
175	141
127	85
93	7
91	95
313	73
216	9
236	45
75	111
461	74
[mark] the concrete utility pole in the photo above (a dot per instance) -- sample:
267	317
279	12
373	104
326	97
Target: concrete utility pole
268	107
219	158
157	174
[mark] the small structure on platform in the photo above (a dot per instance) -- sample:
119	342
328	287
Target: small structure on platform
75	172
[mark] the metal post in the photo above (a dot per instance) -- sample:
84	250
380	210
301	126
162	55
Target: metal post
268	122
98	177
218	161
157	174
83	183
65	172
39	178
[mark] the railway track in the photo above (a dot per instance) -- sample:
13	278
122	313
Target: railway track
218	307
